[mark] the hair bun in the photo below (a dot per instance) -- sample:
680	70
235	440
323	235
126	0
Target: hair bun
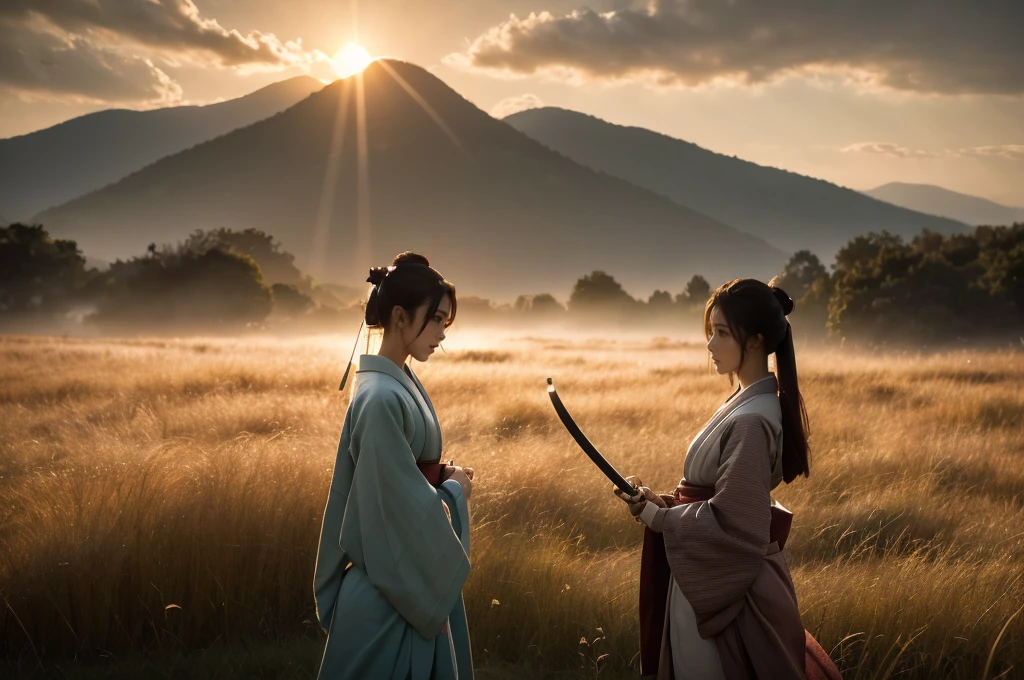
409	257
377	275
784	299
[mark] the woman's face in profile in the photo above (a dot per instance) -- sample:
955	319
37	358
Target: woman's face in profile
423	345
724	348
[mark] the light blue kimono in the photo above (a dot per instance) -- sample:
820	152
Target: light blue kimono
384	613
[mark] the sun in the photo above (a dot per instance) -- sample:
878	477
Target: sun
350	59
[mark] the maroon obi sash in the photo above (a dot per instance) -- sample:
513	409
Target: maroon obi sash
433	472
655	574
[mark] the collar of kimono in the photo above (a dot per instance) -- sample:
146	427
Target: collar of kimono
768	385
374	363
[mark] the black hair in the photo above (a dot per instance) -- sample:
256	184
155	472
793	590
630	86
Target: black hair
753	308
407	283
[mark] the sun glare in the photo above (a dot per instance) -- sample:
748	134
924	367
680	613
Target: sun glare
350	59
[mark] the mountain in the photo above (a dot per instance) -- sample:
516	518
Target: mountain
935	200
788	210
498	212
51	166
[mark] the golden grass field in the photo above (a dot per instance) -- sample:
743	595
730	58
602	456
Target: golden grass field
160	502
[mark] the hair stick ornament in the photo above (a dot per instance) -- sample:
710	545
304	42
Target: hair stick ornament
348	366
376	277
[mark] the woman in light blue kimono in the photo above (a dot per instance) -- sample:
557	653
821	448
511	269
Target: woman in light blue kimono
394	548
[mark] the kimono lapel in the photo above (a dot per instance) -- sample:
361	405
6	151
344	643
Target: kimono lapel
430	407
716	418
431	440
709	435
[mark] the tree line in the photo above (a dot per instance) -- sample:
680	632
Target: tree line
216	281
936	289
880	289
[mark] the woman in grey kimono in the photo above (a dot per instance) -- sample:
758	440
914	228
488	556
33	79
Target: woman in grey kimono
717	600
394	548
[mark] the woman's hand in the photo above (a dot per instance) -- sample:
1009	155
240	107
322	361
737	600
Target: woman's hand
637	501
464	476
449	469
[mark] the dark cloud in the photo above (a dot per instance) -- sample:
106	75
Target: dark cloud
117	51
47	66
949	47
175	27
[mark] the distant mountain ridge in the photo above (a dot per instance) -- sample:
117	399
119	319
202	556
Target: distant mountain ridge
935	200
48	167
790	211
498	212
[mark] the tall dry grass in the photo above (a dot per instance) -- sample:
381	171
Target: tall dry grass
165	496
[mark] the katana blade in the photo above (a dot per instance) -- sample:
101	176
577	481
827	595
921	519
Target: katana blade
600	461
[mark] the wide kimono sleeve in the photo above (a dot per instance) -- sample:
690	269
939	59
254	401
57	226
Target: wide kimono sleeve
330	558
395	527
716	548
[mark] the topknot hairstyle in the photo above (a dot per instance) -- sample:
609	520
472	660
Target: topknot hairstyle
407	283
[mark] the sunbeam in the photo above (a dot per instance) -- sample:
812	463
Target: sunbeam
363	249
328	194
426	108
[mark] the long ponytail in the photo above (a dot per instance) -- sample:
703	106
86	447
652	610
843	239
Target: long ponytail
795	426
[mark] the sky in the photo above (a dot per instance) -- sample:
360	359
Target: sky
857	92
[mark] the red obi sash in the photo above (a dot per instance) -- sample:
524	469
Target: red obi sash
433	472
656	576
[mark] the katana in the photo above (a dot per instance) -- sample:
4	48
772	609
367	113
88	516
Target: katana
602	463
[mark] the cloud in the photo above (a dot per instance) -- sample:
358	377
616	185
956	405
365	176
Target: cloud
887	149
120	51
510	105
173	27
1010	152
921	46
44	66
